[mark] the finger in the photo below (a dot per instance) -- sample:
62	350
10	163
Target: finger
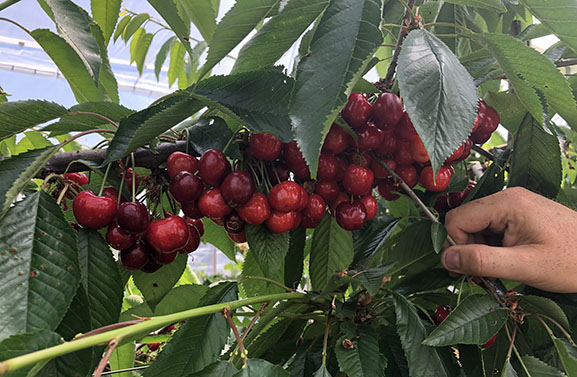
517	263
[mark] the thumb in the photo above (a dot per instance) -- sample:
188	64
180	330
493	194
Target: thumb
513	263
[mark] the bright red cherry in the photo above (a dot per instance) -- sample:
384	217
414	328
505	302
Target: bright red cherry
304	199
442	203
441	181
213	167
455	199
387	111
371	206
456	155
111	192
358	180
280	222
357	111
379	171
285	197
388	190
256	210
370	137
93	211
328	190
405	130
466	151
264	146
351	216
237	188
80	178
389	144
341	198
337	140
403	154
441	313
193	240
295	160
167	235
211	204
315	209
408	174
136	257
419	152
119	238
328	167
179	161
133	216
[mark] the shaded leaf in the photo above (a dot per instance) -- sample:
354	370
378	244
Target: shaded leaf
508	370
408	247
438	93
216	236
343	43
19	345
545	306
268	249
494	5
83	122
294	259
331	252
369	239
123	358
255	287
438	236
18	116
39	269
259	368
538	368
371	279
568	355
277	35
322	372
105	13
218	369
364	359
536	160
474	321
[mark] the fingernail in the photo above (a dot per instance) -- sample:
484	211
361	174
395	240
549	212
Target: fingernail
452	260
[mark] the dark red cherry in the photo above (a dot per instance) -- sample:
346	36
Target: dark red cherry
213	167
357	111
328	167
371	206
405	130
191	210
193	239
197	223
233	223
186	187
93	211
441	313
388	190
237	188
133	216
370	137
337	140
164	258
179	161
387	111
119	238
295	160
351	216
389	144
315	209
278	172
285	197
136	257
264	146
358	180
328	190
408	174
211	204
238	238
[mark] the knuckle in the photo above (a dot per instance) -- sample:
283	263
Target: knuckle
476	262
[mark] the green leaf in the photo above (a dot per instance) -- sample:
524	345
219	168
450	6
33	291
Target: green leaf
260	368
141	51
17	171
276	36
70	65
539	85
218	369
202	15
494	5
269	249
100	278
470	357
423	361
331	252
558	16
168	10
142	127
255	287
371	237
536	160
259	99
181	298
545	306
216	236
18	116
176	66
438	93
23	344
474	321
199	342
492	181
236	24
568	355
156	285
39	270
294	259
364	359
134	25
105	13
438	236
162	55
408	247
122	24
74	26
284	331
123	358
538	368
508	370
343	43
371	279
73	122
322	372
106	78
510	109
134	43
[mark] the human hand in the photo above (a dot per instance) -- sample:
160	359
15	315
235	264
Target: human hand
538	235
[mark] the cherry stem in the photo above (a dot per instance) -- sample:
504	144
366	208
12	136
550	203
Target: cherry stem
133	177
253	321
239	340
327	328
104	361
96	115
511	339
104	179
62	193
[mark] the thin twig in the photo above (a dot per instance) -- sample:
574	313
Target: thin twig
239	340
104	361
15	23
253	321
484	153
96	115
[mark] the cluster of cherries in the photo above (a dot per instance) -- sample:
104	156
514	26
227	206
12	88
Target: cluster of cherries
145	243
443	311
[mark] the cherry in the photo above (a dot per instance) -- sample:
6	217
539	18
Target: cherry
491	121
479	138
193	239
351	216
153	346
278	172
119	238
238	238
328	190
256	210
80	178
408	174
280	222
337	140
233	223
441	181
328	167
387	111
388	190
362	159
315	209
481	111
379	171
237	188
136	257
341	198
358	180
370	137
213	167
403	154
442	203
297	220
309	223
129	176
304	199
211	204
456	155
285	196
341	168
179	161
164	258
490	342
405	130
264	146
151	266
111	192
93	211
167	235
371	206
295	160
197	224
132	216
419	152
357	111
389	144
441	313
191	210
455	199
